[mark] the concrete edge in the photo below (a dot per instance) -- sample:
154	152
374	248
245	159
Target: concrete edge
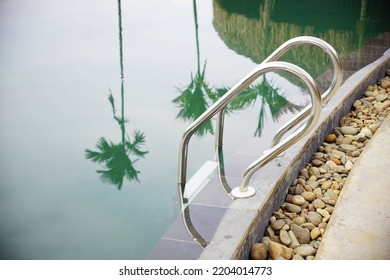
299	155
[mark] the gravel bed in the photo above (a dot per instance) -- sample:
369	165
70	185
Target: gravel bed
295	230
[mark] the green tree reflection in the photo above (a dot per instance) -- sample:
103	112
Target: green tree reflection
270	98
116	156
197	96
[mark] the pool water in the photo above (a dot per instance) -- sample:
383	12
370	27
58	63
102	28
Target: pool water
94	100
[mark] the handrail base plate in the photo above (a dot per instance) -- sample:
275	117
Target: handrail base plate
237	193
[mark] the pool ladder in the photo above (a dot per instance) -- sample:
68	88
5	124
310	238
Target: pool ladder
312	111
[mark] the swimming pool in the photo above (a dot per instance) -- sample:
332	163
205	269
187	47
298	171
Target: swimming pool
61	62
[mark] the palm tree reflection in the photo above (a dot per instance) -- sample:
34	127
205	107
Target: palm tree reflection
197	96
116	157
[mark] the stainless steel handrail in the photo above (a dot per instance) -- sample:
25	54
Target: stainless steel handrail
327	95
230	95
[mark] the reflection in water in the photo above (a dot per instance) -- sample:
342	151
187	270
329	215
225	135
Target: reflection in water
270	97
256	31
197	96
116	157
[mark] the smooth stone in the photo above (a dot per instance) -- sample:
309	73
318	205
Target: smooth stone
284	237
308	196
298	258
328	200
325	214
348	165
330	138
258	251
305	250
317	162
355	153
302	235
381	97
277	225
309	226
294	241
314	218
304	173
347	148
315	171
326	185
312	184
344	140
277	250
298	200
315	232
318	203
348	130
292	208
366	131
335	160
385	83
331	194
330	165
385	105
299	220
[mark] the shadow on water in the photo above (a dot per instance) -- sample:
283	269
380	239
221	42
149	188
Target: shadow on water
118	158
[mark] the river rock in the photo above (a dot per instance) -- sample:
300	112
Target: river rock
330	138
277	225
317	162
385	83
258	251
348	130
277	250
305	251
298	200
292	208
302	235
347	148
318	203
315	232
314	218
381	97
284	237
308	196
294	241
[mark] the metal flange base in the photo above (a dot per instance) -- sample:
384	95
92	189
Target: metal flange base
237	193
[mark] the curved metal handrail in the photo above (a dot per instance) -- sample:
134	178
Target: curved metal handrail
244	190
231	94
325	97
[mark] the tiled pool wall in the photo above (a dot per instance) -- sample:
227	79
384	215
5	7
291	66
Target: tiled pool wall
300	155
229	226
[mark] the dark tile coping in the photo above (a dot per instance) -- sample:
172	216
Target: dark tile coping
231	226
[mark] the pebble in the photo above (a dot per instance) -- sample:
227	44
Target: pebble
315	232
277	225
258	251
295	231
308	196
305	251
348	130
302	234
318	203
298	200
330	138
277	250
284	237
314	218
292	208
